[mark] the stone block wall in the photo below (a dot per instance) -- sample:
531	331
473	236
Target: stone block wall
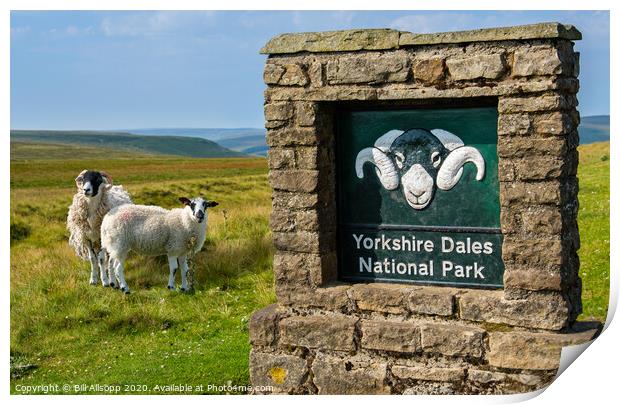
325	336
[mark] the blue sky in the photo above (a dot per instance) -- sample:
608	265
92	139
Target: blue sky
147	69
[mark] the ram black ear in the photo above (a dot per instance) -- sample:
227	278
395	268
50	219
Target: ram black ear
185	200
212	204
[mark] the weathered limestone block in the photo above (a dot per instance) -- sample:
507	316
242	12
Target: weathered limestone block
283	372
293	137
319	331
331	298
310	157
451	374
305	114
537	61
486	377
453	340
392	336
431	301
533	278
556	123
548	102
491	377
316	75
528	147
272	73
285	75
287	263
304	181
294	75
263	326
540	310
542	168
530	193
278	111
514	124
281	158
386	298
353	375
368	69
524	350
293	201
544	220
532	252
477	67
429	71
291	221
303	241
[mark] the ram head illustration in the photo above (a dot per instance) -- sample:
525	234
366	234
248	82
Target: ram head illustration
420	160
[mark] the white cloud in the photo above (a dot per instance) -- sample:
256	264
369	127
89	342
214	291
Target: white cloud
154	23
20	30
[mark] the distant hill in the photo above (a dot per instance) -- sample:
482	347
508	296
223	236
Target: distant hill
252	144
212	134
165	145
594	128
246	140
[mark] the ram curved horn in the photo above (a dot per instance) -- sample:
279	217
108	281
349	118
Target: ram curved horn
377	155
452	168
80	176
107	178
448	139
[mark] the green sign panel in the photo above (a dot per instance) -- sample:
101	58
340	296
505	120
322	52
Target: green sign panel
418	196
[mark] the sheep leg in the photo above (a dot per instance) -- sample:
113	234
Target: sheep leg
103	270
94	264
111	265
174	265
184	270
119	272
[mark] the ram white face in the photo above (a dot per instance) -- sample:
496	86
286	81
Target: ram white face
419	160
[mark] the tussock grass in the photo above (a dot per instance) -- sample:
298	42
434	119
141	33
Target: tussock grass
63	330
594	229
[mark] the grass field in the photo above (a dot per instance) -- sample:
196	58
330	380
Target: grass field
65	331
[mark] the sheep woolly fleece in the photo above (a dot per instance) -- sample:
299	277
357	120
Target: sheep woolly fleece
152	230
80	230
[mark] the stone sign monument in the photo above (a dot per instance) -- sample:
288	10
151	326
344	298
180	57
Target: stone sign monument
424	211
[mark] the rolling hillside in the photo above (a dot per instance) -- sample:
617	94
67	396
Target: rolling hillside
246	140
162	145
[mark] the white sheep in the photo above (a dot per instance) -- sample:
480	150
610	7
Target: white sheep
155	231
95	196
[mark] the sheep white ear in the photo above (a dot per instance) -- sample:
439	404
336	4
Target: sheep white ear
80	177
107	178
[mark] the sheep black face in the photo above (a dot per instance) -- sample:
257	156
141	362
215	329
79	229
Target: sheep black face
421	161
198	206
89	182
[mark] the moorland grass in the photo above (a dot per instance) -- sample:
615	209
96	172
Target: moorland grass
65	331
